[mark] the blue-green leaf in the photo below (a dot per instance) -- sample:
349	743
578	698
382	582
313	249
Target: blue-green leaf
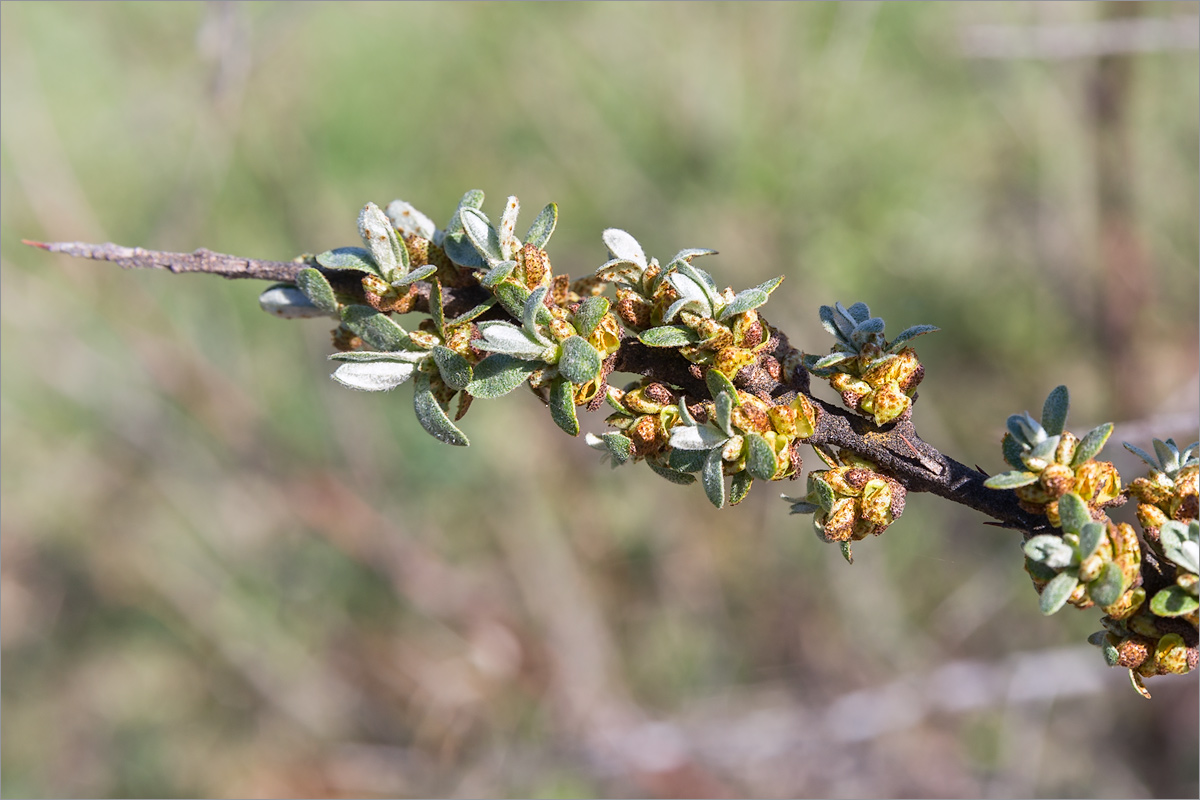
743	302
482	235
455	370
533	312
909	334
542	227
418	274
499	374
673	476
1173	601
1181	543
317	289
504	337
287	301
1052	551
1054	412
739	487
1013	450
589	314
713	478
431	416
624	247
512	297
471	314
668	336
760	461
1010	480
718	383
1057	592
1107	587
373	376
1090	537
355	258
578	361
380	238
1091	444
375	328
687	460
617	445
724	412
562	406
1073	512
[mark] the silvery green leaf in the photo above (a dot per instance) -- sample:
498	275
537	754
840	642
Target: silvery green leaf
739	487
317	289
911	333
533	312
1090	537
701	278
1051	551
1168	456
621	270
619	446
401	356
507	232
1111	654
380	238
845	321
1107	587
418	274
1057	592
823	492
673	476
771	285
455	370
578	361
724	412
285	300
1054	412
866	328
825	362
504	337
1013	450
409	221
743	302
615	404
801	506
1027	430
512	297
699	307
624	247
761	458
499	374
431	416
460	250
562	406
687	460
589	314
356	258
1010	480
543	226
859	312
1073	512
1173	601
685	416
482	235
691	296
830	323
1091	444
470	314
713	478
375	328
1045	449
1142	454
1181	543
719	384
697	437
498	273
437	308
373	376
668	336
472	199
1190	455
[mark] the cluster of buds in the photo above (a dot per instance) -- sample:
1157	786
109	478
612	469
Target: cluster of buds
875	377
1170	491
850	500
1048	461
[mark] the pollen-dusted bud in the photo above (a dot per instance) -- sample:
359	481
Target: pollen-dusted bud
838	524
1066	448
1057	479
633	309
730	360
1132	651
1171	655
1097	482
1186	503
852	389
646	436
536	264
1127	604
753	415
561	330
658	393
1151	518
639	401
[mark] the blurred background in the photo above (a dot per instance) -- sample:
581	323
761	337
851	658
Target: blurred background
223	575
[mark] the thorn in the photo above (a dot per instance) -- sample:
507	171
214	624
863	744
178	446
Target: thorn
932	466
32	243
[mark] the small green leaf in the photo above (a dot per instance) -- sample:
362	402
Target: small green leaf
760	461
578	361
562	406
668	336
697	437
1107	587
1142	454
1050	550
1168	455
739	487
1057	592
1089	538
542	227
437	310
589	314
1054	412
534	311
1091	444
512	297
369	356
1013	450
718	383
1027	430
908	334
743	302
355	258
381	240
409	221
681	478
373	376
499	374
724	413
1074	512
504	337
822	490
1181	543
455	370
482	235
418	274
687	460
473	313
317	289
431	416
286	301
375	328
714	478
1010	480
825	362
617	445
1173	601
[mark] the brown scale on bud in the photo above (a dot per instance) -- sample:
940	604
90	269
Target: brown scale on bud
1132	651
1187	494
633	310
646	436
383	297
659	394
418	249
1057	479
1065	451
640	402
748	330
561	330
535	264
752	415
852	389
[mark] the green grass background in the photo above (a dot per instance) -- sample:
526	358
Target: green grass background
225	576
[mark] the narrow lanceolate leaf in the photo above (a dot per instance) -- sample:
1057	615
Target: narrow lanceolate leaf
400	356
589	314
471	314
624	247
1091	444
668	336
455	370
1010	480
482	235
1054	412
1106	589
504	337
760	461
1142	454
507	232
533	312
287	301
823	491
829	322
460	250
1090	538
801	506
718	383
698	276
356	258
1050	550
562	406
578	361
376	329
724	409
1057	592
437	310
743	302
418	274
739	487
498	273
713	478
825	362
1168	457
1026	429
499	374
373	376
431	416
691	298
543	226
673	476
380	238
1074	512
317	289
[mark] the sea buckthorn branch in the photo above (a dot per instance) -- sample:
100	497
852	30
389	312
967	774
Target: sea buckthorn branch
723	399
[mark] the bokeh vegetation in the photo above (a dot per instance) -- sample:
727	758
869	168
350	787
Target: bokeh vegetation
225	575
